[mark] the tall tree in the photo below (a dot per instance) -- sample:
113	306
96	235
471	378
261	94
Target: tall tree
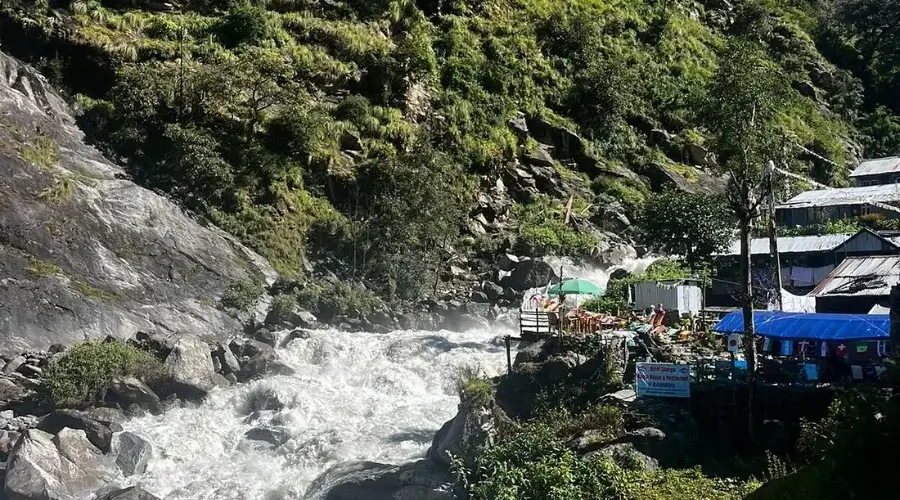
743	101
873	26
692	226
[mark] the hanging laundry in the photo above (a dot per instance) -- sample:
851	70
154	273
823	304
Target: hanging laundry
882	348
767	344
787	347
802	275
812	371
823	349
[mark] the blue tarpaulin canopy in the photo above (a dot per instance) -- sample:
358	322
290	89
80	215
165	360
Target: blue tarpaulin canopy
810	326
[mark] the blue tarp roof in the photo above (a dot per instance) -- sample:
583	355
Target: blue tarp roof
810	326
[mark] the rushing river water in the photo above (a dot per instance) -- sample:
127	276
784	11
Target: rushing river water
355	396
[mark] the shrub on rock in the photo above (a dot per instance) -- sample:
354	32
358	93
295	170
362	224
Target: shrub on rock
85	372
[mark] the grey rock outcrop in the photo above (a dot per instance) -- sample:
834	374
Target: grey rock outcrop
61	467
85	253
190	367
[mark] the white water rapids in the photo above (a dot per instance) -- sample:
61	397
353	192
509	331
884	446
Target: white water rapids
355	396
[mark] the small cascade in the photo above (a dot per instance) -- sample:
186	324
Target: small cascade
599	275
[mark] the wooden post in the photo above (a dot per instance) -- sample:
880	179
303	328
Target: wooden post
506	340
895	330
773	236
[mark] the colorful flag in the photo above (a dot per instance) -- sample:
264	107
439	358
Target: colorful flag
823	349
841	349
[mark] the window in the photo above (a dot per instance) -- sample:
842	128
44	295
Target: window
865	210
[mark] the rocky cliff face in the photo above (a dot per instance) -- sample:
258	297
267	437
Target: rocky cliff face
85	252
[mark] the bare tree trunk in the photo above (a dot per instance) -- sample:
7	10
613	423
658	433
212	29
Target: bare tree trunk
747	307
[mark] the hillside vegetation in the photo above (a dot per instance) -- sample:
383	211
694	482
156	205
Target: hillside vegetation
365	130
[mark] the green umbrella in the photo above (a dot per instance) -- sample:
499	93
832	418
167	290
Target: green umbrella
575	287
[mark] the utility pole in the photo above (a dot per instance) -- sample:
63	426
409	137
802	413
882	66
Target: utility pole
773	234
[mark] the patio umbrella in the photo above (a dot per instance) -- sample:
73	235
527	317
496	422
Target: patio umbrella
575	287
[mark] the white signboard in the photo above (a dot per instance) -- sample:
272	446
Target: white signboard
664	380
734	342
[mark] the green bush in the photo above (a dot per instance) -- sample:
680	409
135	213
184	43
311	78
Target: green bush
542	230
329	300
283	305
473	388
84	372
242	294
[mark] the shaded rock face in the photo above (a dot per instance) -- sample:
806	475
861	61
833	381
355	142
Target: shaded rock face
84	253
132	453
422	480
530	274
662	177
130	493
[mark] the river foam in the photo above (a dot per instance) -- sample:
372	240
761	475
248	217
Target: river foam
355	396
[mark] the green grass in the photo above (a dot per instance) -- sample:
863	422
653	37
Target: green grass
61	191
242	294
80	376
42	268
88	291
473	388
40	151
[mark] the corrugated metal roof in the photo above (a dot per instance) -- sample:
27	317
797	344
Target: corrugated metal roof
877	166
844	196
793	244
861	276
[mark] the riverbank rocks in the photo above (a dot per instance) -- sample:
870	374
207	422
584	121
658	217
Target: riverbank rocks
127	391
130	493
132	453
257	359
98	433
61	467
421	480
190	368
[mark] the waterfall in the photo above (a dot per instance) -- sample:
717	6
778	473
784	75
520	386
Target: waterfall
597	274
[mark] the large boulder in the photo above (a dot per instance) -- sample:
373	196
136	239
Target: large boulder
98	433
62	467
132	453
530	274
448	439
96	254
296	317
127	390
190	368
258	359
422	480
